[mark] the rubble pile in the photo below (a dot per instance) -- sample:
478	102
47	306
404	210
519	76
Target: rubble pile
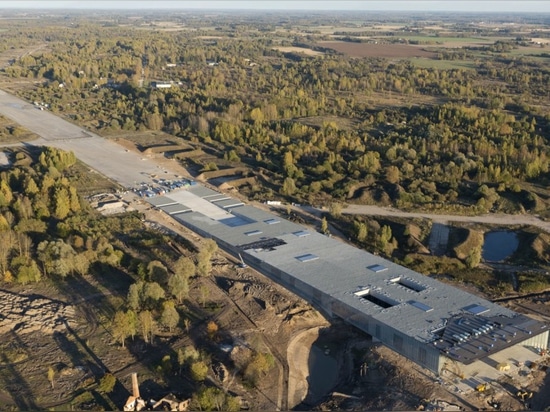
30	313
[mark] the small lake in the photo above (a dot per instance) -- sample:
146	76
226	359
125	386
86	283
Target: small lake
323	373
499	245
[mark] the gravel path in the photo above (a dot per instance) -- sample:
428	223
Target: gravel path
493	219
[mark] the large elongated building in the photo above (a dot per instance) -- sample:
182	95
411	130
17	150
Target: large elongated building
427	321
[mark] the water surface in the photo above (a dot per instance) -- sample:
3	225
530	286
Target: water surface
499	245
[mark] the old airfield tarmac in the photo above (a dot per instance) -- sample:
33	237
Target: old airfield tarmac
112	160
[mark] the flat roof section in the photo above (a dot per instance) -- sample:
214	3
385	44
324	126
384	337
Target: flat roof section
187	197
160	201
229	203
216	198
174	209
203	192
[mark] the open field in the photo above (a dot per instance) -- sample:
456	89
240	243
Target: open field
303	50
443	64
376	50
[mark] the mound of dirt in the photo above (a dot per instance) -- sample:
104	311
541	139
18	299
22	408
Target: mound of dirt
541	246
472	240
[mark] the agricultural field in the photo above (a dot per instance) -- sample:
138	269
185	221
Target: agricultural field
388	51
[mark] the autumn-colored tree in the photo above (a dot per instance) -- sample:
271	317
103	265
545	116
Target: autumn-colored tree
147	325
170	316
178	286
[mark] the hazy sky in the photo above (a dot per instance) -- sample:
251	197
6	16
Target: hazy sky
428	5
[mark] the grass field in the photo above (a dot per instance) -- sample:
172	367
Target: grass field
443	64
448	39
11	132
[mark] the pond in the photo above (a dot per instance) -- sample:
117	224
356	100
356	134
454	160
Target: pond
499	245
323	373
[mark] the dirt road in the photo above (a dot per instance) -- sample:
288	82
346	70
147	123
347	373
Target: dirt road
492	219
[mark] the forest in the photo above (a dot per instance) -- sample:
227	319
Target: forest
316	128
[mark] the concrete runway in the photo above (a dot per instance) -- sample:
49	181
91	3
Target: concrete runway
102	155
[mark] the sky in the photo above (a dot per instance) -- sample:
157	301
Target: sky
539	6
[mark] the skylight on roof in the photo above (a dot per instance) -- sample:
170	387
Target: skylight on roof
475	309
421	306
379	300
272	221
377	268
409	284
307	258
253	232
301	233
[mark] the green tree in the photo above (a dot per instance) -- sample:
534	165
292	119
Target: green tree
324	225
210	246
199	370
360	231
107	383
259	364
157	272
152	293
289	187
133	322
121	327
204	265
178	286
185	267
57	257
474	257
147	325
135	295
62	203
170	316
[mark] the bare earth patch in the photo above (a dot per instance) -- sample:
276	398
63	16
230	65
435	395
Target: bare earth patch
377	50
303	50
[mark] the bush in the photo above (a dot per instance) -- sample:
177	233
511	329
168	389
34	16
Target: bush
107	383
199	371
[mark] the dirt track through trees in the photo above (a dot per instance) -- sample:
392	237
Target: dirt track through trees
492	219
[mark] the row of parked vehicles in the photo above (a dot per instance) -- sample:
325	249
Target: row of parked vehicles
164	186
